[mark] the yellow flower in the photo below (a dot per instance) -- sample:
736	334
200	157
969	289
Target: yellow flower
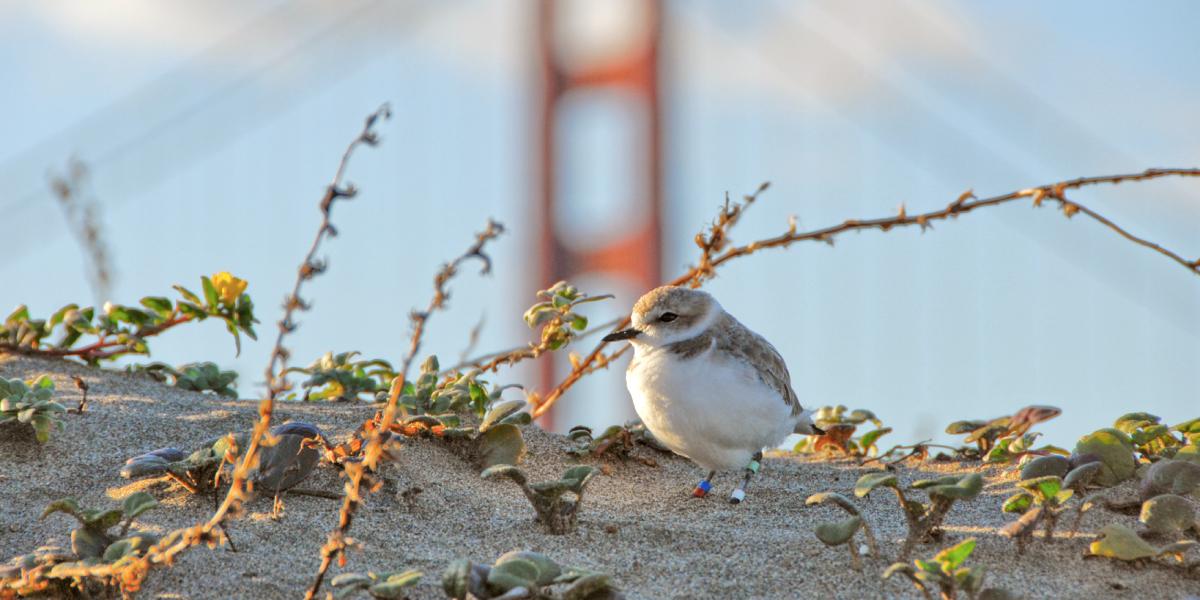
229	288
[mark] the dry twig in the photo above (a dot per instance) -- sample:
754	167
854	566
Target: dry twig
374	452
131	573
714	251
70	189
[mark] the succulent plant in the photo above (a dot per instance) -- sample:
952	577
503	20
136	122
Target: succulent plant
616	440
842	532
1019	445
196	377
1111	447
31	403
1040	502
524	574
393	585
924	520
556	503
946	573
1122	543
985	433
340	378
1150	438
839	425
121	330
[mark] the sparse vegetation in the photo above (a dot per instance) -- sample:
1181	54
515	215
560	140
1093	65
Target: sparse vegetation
556	503
1040	503
1006	438
924	520
945	574
341	378
842	532
31	403
196	377
393	585
93	543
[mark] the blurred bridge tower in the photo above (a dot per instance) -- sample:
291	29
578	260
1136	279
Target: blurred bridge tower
599	68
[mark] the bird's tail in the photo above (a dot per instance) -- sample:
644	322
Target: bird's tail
806	426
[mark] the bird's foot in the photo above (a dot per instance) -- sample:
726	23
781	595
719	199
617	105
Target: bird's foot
752	469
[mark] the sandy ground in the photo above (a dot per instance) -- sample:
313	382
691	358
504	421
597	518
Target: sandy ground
638	522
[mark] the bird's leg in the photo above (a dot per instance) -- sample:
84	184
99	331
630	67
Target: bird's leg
704	485
278	507
739	494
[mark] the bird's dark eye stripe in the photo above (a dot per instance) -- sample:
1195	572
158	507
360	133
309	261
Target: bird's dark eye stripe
667	317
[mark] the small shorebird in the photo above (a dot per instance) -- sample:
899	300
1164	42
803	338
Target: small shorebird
706	386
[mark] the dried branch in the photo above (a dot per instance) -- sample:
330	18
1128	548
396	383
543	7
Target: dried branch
130	574
374	452
713	251
492	361
83	221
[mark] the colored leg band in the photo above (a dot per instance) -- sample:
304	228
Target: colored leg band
737	496
754	466
704	486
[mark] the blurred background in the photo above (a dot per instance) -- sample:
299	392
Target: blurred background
604	135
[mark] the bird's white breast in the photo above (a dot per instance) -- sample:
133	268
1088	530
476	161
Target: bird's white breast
710	408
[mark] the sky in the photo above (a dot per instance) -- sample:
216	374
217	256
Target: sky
211	129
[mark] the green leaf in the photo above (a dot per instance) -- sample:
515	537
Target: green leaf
954	556
138	503
1122	543
69	506
840	532
870	481
547	570
511	574
502	445
456	579
210	293
499	412
395	586
869	438
1018	503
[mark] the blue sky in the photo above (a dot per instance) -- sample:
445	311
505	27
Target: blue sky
211	129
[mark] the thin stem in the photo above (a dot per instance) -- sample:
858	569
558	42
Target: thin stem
713	257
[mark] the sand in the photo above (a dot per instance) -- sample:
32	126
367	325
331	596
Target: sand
638	522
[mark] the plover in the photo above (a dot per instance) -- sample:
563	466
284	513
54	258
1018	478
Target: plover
706	386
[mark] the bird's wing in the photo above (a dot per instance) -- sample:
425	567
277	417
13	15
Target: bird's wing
738	340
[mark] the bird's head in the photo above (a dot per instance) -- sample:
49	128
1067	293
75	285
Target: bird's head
669	314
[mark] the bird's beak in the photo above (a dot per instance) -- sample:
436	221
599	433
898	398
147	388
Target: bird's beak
624	334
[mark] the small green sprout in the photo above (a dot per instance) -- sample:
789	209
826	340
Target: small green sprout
30	402
924	520
946	574
525	574
556	503
842	532
839	424
196	377
1040	503
122	330
389	586
985	433
1113	448
340	378
618	440
1122	543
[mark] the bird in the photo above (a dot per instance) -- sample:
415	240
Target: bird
708	387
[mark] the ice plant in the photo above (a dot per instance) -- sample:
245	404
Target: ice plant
525	574
556	503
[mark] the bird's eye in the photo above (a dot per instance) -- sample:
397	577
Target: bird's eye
667	317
